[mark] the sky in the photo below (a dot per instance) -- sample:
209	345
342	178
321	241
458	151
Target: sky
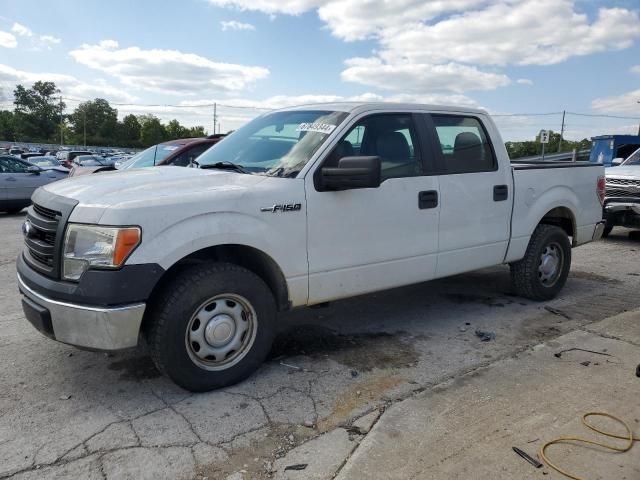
175	59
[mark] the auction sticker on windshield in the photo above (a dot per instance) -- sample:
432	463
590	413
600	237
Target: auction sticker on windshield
316	127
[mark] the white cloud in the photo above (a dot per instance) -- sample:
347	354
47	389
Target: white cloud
7	40
69	85
34	42
21	30
627	103
289	7
531	32
635	69
420	77
167	71
234	25
524	81
49	39
422	40
359	19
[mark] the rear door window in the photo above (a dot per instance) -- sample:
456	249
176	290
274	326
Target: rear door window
464	144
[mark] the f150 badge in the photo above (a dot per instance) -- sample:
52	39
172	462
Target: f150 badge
283	207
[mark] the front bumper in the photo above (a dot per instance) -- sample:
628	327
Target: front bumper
100	328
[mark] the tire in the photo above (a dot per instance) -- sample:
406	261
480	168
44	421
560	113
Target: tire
534	276
212	326
607	231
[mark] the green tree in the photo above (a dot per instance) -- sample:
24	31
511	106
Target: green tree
151	130
129	131
7	130
175	130
98	118
37	114
197	131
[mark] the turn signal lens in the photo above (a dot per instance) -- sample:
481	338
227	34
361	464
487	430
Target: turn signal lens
126	242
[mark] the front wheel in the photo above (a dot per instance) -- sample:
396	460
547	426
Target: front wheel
212	326
543	271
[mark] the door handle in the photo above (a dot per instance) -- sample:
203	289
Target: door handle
500	193
427	199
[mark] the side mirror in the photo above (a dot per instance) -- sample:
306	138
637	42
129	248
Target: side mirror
34	169
616	161
351	173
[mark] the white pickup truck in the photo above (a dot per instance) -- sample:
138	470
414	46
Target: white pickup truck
299	207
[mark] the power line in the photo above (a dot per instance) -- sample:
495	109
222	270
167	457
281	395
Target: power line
603	115
200	105
526	114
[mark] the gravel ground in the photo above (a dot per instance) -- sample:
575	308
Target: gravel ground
66	412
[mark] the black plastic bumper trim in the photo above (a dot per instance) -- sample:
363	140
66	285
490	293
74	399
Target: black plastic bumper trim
101	288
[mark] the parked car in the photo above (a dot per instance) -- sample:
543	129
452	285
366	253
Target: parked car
19	179
28	155
300	206
181	153
47	162
16	152
622	200
67	156
92	161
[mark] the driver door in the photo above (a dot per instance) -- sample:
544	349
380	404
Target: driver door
370	239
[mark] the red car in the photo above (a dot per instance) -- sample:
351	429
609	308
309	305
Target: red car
180	153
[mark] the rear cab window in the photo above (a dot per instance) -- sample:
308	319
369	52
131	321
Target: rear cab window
464	144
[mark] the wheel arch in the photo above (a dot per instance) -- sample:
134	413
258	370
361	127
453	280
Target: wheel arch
562	217
245	256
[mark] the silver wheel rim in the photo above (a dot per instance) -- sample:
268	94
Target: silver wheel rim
221	331
551	264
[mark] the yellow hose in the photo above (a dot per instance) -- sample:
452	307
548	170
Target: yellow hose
629	437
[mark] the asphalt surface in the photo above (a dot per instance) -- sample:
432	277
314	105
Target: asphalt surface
71	413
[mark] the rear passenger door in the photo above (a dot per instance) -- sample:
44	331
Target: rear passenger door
476	196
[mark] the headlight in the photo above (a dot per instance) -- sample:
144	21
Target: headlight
92	246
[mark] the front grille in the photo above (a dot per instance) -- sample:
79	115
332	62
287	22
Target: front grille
623	181
40	237
622	193
45	212
623	188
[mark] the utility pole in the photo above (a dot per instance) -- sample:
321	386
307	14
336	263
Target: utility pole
215	117
61	123
561	131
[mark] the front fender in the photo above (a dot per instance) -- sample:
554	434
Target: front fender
273	235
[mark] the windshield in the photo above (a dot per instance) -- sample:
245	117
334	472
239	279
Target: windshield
149	157
277	144
633	159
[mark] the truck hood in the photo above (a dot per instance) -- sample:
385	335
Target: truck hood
146	184
624	171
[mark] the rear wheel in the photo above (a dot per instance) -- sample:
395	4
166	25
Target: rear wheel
212	327
543	271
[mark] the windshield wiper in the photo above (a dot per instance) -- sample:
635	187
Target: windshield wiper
227	166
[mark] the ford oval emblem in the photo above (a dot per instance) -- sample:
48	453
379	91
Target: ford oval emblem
27	229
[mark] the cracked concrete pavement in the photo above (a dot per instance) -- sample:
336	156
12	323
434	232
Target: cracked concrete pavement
71	413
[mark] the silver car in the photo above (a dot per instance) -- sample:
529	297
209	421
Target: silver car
19	179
